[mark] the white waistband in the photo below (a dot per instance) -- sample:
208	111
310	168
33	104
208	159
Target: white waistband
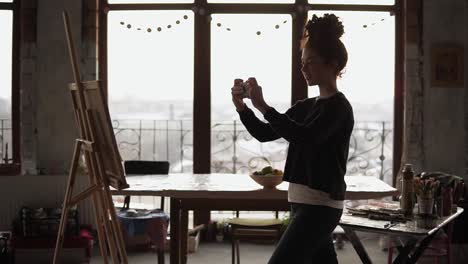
298	193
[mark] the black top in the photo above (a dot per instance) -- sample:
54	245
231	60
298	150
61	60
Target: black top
318	131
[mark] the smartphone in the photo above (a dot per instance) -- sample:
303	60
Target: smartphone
240	82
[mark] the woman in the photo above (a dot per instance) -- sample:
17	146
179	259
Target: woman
318	130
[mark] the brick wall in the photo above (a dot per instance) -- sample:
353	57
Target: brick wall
414	117
48	125
88	40
28	85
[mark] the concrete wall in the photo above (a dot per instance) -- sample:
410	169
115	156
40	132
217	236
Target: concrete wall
444	107
37	192
435	126
47	121
55	124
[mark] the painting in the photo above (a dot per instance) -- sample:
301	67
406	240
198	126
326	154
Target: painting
447	69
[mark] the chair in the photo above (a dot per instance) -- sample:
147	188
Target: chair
253	229
142	167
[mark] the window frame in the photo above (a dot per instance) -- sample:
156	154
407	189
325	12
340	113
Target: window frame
202	86
14	168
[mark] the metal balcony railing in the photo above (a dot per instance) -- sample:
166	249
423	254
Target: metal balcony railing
5	141
233	149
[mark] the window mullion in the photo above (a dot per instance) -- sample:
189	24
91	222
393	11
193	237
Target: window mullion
15	93
298	84
202	91
398	104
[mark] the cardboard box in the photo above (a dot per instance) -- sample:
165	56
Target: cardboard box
192	243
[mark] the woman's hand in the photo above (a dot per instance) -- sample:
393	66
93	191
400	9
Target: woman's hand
238	95
256	95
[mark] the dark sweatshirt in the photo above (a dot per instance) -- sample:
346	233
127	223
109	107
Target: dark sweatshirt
318	132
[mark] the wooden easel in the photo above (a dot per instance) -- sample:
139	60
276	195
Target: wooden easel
102	161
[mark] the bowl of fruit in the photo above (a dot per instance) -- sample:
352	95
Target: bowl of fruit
268	177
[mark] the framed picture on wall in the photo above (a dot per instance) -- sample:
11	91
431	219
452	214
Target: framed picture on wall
447	65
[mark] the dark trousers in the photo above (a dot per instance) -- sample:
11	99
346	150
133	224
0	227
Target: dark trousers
308	237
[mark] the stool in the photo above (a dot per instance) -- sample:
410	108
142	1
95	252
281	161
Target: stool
338	237
252	229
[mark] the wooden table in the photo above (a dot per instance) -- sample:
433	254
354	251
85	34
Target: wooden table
228	192
410	240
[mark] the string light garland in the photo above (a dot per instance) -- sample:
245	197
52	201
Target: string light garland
185	17
149	29
373	23
220	25
258	33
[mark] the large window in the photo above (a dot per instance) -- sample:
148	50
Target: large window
241	50
165	57
150	84
6	33
148	1
368	82
354	2
9	152
152	76
252	2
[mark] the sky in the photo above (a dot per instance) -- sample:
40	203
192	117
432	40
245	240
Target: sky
159	64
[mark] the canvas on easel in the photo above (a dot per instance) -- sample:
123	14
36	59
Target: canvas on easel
105	138
102	160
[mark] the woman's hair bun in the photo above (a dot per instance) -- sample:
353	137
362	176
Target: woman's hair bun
326	27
